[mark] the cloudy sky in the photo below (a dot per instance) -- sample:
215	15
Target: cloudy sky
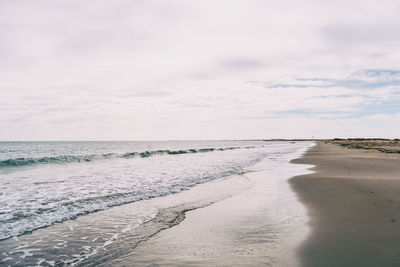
188	69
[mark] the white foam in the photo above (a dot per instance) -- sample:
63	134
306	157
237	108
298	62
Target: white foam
33	199
158	172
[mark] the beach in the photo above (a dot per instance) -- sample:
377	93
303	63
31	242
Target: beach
353	201
305	204
199	133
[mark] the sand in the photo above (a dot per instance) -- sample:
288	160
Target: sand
352	205
346	213
353	201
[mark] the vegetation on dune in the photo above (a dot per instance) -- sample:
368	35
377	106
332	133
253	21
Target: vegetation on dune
378	144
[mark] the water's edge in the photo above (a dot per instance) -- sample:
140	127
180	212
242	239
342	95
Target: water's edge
157	251
165	219
170	211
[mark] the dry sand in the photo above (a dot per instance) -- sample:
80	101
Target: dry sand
353	201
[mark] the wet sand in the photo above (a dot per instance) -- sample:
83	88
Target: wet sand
353	201
261	226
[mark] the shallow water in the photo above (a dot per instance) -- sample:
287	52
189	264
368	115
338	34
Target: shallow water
263	225
37	195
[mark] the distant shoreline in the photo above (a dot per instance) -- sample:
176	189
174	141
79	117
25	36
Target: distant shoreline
381	145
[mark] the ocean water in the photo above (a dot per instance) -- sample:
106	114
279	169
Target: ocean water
45	183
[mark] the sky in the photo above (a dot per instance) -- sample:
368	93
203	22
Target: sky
210	69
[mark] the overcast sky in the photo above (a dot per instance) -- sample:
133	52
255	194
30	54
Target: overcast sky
182	69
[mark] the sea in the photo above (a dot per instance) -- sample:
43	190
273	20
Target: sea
83	203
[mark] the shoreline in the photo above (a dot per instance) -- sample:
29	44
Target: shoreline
353	201
116	231
260	226
253	218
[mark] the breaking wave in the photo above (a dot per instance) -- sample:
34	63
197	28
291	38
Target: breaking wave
64	159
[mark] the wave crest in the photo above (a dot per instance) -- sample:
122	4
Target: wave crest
64	159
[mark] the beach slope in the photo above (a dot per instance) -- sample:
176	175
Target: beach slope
353	201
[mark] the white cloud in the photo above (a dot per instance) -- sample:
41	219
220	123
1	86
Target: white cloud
181	69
